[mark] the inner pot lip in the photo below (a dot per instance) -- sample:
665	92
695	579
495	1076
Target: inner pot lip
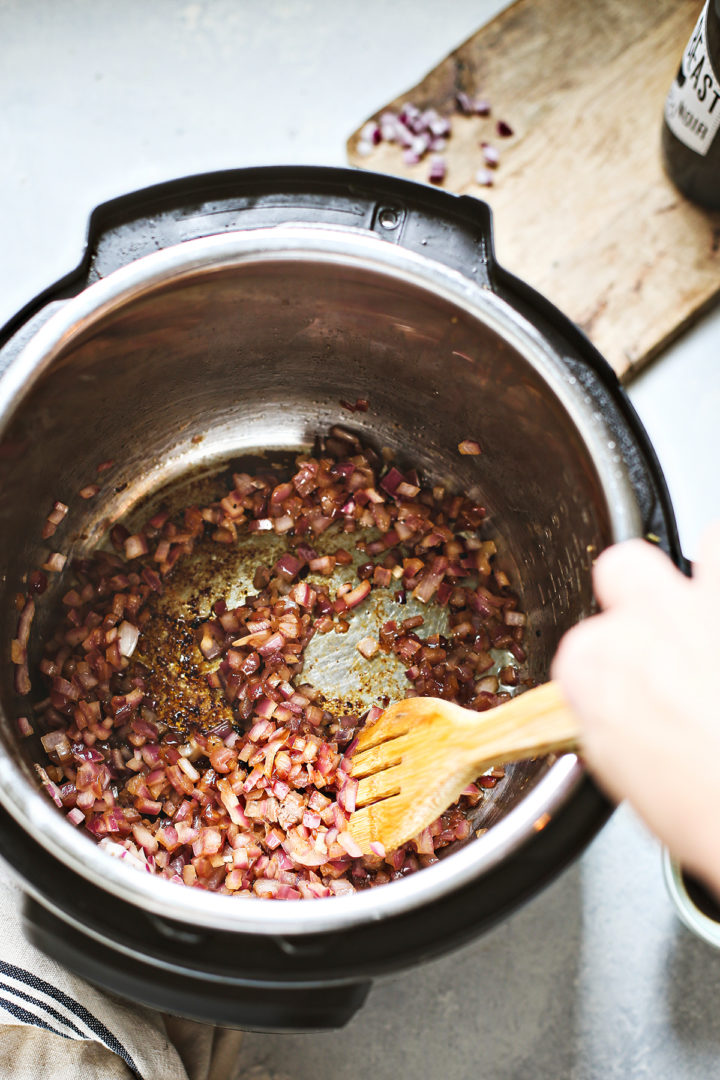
356	248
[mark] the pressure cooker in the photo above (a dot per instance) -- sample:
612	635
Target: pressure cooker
233	312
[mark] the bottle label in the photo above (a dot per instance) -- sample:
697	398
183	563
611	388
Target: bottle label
692	108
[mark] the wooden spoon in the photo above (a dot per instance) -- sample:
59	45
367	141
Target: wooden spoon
422	753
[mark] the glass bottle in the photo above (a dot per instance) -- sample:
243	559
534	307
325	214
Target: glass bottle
691	131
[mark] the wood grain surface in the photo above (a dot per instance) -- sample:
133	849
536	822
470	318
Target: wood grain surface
582	208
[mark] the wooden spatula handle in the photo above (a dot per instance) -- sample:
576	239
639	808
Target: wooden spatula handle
537	722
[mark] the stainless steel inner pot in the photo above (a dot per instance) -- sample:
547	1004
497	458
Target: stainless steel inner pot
247	341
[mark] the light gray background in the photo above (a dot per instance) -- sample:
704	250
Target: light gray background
595	977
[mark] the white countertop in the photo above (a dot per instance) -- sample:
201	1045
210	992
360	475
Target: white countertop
595	977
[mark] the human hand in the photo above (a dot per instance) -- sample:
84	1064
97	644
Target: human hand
642	678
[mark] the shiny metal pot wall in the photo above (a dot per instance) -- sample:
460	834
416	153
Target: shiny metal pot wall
249	340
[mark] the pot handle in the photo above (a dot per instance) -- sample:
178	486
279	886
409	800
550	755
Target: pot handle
455	230
452	229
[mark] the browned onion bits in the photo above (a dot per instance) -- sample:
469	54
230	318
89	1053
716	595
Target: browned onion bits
254	798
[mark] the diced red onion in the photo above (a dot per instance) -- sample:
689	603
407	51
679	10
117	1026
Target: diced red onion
56	745
430	582
289	566
283	525
49	786
232	809
324	564
424	843
55	562
347	795
438	169
440	126
189	770
53	519
367	647
128	635
135	546
272	645
261	525
371	132
281	493
491	155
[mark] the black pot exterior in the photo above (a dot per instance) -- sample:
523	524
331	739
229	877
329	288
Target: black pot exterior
277	983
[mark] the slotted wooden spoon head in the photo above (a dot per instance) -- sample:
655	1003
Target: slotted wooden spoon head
411	767
422	753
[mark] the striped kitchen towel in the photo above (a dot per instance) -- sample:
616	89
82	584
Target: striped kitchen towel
56	1026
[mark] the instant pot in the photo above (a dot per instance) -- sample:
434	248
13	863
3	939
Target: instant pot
228	313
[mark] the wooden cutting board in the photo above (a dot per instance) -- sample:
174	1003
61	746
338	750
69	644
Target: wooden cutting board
582	208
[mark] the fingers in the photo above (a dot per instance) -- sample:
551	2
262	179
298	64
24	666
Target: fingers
638	572
648	718
581	662
634	571
615	668
612	673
